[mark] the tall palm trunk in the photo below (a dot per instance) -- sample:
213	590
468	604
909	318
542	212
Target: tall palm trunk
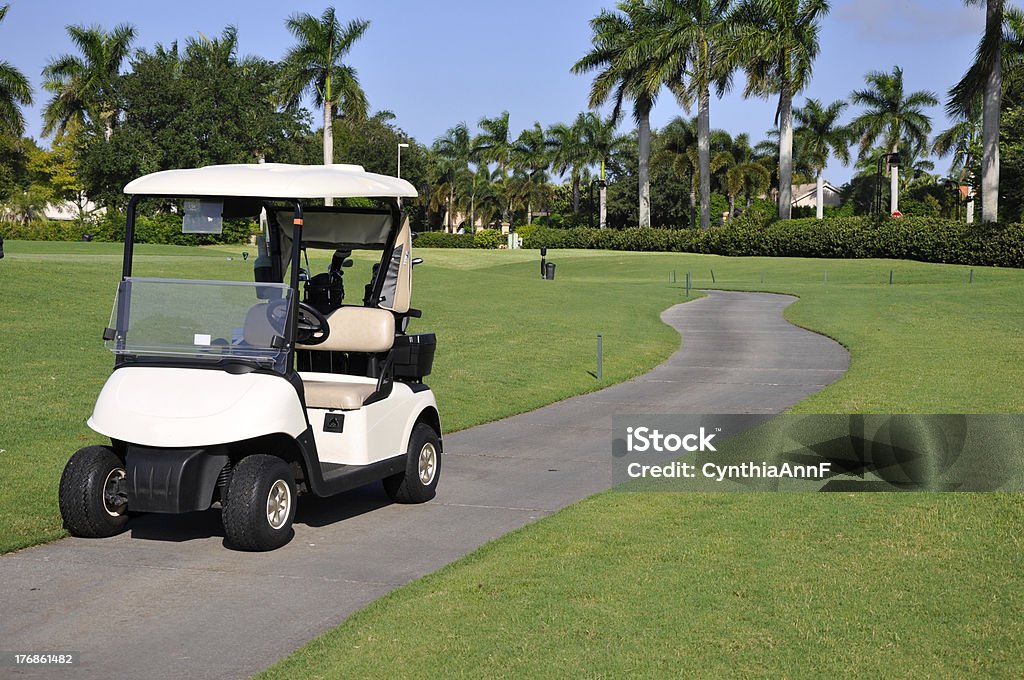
451	211
990	119
732	205
693	206
329	140
576	193
603	192
785	154
819	197
894	185
704	156
645	167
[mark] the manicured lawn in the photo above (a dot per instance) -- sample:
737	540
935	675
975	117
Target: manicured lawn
620	585
782	585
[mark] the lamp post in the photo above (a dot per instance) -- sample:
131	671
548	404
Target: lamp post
401	145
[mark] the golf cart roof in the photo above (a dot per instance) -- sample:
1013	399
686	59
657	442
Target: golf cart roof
272	180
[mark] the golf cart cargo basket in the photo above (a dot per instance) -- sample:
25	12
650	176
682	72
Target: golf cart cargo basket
413	355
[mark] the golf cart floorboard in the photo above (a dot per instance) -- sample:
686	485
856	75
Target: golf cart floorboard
336	477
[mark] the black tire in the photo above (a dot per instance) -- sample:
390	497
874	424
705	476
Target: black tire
253	517
409	486
88	503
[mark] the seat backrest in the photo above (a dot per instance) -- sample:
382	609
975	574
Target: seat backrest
359	329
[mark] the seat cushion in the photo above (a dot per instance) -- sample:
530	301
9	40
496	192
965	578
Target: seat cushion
338	395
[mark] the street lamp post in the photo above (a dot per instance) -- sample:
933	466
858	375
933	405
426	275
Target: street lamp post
401	145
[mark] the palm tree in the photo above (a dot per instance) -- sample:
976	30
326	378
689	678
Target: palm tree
494	145
600	137
531	154
453	153
570	153
680	143
745	175
892	117
474	189
964	141
83	87
984	81
777	41
821	136
622	55
689	53
315	63
15	92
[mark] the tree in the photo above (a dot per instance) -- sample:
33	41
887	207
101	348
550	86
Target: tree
531	154
777	42
622	55
983	81
315	63
745	176
201	107
821	136
689	51
964	142
570	153
494	145
600	137
15	92
892	117
84	87
452	153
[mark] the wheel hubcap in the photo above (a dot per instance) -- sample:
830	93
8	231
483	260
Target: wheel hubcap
114	497
427	463
279	503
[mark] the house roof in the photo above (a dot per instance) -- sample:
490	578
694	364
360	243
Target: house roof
802	191
272	180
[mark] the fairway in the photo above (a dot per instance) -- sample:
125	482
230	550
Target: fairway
657	584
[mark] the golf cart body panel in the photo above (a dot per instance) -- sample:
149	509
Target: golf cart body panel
237	392
208	406
369	433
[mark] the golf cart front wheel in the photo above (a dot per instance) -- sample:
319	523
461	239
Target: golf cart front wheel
418	484
92	498
260	504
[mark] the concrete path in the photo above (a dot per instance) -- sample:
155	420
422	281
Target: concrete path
167	600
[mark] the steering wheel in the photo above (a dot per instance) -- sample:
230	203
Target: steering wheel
312	328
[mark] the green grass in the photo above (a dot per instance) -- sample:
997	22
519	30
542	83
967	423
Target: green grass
620	585
764	585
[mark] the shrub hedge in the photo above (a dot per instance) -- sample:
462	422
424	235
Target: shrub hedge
440	239
162	228
920	238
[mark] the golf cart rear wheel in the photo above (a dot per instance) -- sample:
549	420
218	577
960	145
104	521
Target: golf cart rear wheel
260	504
418	484
92	498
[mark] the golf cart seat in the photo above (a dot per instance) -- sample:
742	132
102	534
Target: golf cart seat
353	329
336	395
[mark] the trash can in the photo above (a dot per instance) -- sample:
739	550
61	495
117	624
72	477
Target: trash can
549	271
87	238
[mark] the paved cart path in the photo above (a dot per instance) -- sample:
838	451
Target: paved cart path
167	600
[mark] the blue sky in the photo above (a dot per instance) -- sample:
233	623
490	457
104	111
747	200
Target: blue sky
437	63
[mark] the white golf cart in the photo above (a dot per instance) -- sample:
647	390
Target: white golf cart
238	393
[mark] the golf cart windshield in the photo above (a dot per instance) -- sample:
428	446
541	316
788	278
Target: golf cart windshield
204	320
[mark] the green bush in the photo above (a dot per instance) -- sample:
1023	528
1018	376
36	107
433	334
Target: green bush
912	238
162	228
487	239
440	239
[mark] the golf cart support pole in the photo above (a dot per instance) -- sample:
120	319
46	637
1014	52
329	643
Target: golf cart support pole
293	316
129	238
